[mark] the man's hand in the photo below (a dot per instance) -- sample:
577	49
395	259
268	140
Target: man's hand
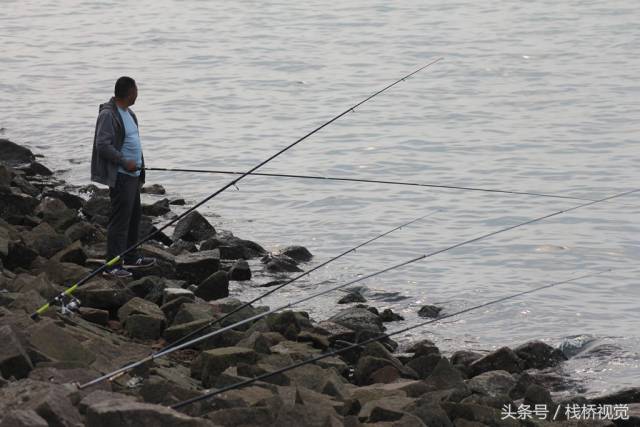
131	166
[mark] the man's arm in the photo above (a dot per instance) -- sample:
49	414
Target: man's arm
105	139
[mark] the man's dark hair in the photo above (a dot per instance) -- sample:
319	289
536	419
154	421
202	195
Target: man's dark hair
123	86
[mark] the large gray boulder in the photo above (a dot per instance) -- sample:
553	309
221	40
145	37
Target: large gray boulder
358	319
14	154
194	228
142	319
14	361
196	267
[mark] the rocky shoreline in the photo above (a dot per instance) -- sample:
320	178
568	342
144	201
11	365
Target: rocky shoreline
52	234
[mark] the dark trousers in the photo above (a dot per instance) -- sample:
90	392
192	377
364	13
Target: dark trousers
124	220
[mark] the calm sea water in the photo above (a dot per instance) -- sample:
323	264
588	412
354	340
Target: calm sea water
531	96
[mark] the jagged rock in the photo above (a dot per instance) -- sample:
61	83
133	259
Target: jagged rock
13	154
259	342
180	246
430	311
94	315
388	315
177	202
358	319
424	348
387	409
159	390
352	297
103	294
19	255
444	377
23	418
26	282
431	413
196	267
216	286
73	253
424	365
56	213
232	247
178	331
99	396
298	253
296	351
317	340
367	366
193	227
170	309
86	232
142	319
280	264
126	413
502	359
14	205
65	273
337	332
56	344
492	383
462	359
94	190
240	271
150	288
211	363
536	395
14	361
70	200
158	208
28	301
45	240
308	415
174	293
97	205
153	189
25	186
288	323
189	312
35	168
627	395
539	355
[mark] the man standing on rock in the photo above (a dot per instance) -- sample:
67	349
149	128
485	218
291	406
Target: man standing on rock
117	161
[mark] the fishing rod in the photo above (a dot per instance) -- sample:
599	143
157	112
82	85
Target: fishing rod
206	326
157	355
371	181
370	340
60	298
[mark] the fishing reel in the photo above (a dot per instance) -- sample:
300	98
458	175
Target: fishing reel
69	305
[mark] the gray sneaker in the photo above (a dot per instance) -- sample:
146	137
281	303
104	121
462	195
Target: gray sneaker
117	272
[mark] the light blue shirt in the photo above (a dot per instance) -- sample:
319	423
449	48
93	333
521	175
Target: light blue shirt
131	149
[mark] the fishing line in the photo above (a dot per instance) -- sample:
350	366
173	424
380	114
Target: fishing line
372	181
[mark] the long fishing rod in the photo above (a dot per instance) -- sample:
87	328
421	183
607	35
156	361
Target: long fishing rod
372	181
206	326
68	292
326	291
370	340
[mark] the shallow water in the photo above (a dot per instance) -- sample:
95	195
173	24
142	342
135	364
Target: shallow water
536	96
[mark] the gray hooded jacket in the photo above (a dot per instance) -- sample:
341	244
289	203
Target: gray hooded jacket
107	143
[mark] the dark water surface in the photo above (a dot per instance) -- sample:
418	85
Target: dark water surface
532	96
